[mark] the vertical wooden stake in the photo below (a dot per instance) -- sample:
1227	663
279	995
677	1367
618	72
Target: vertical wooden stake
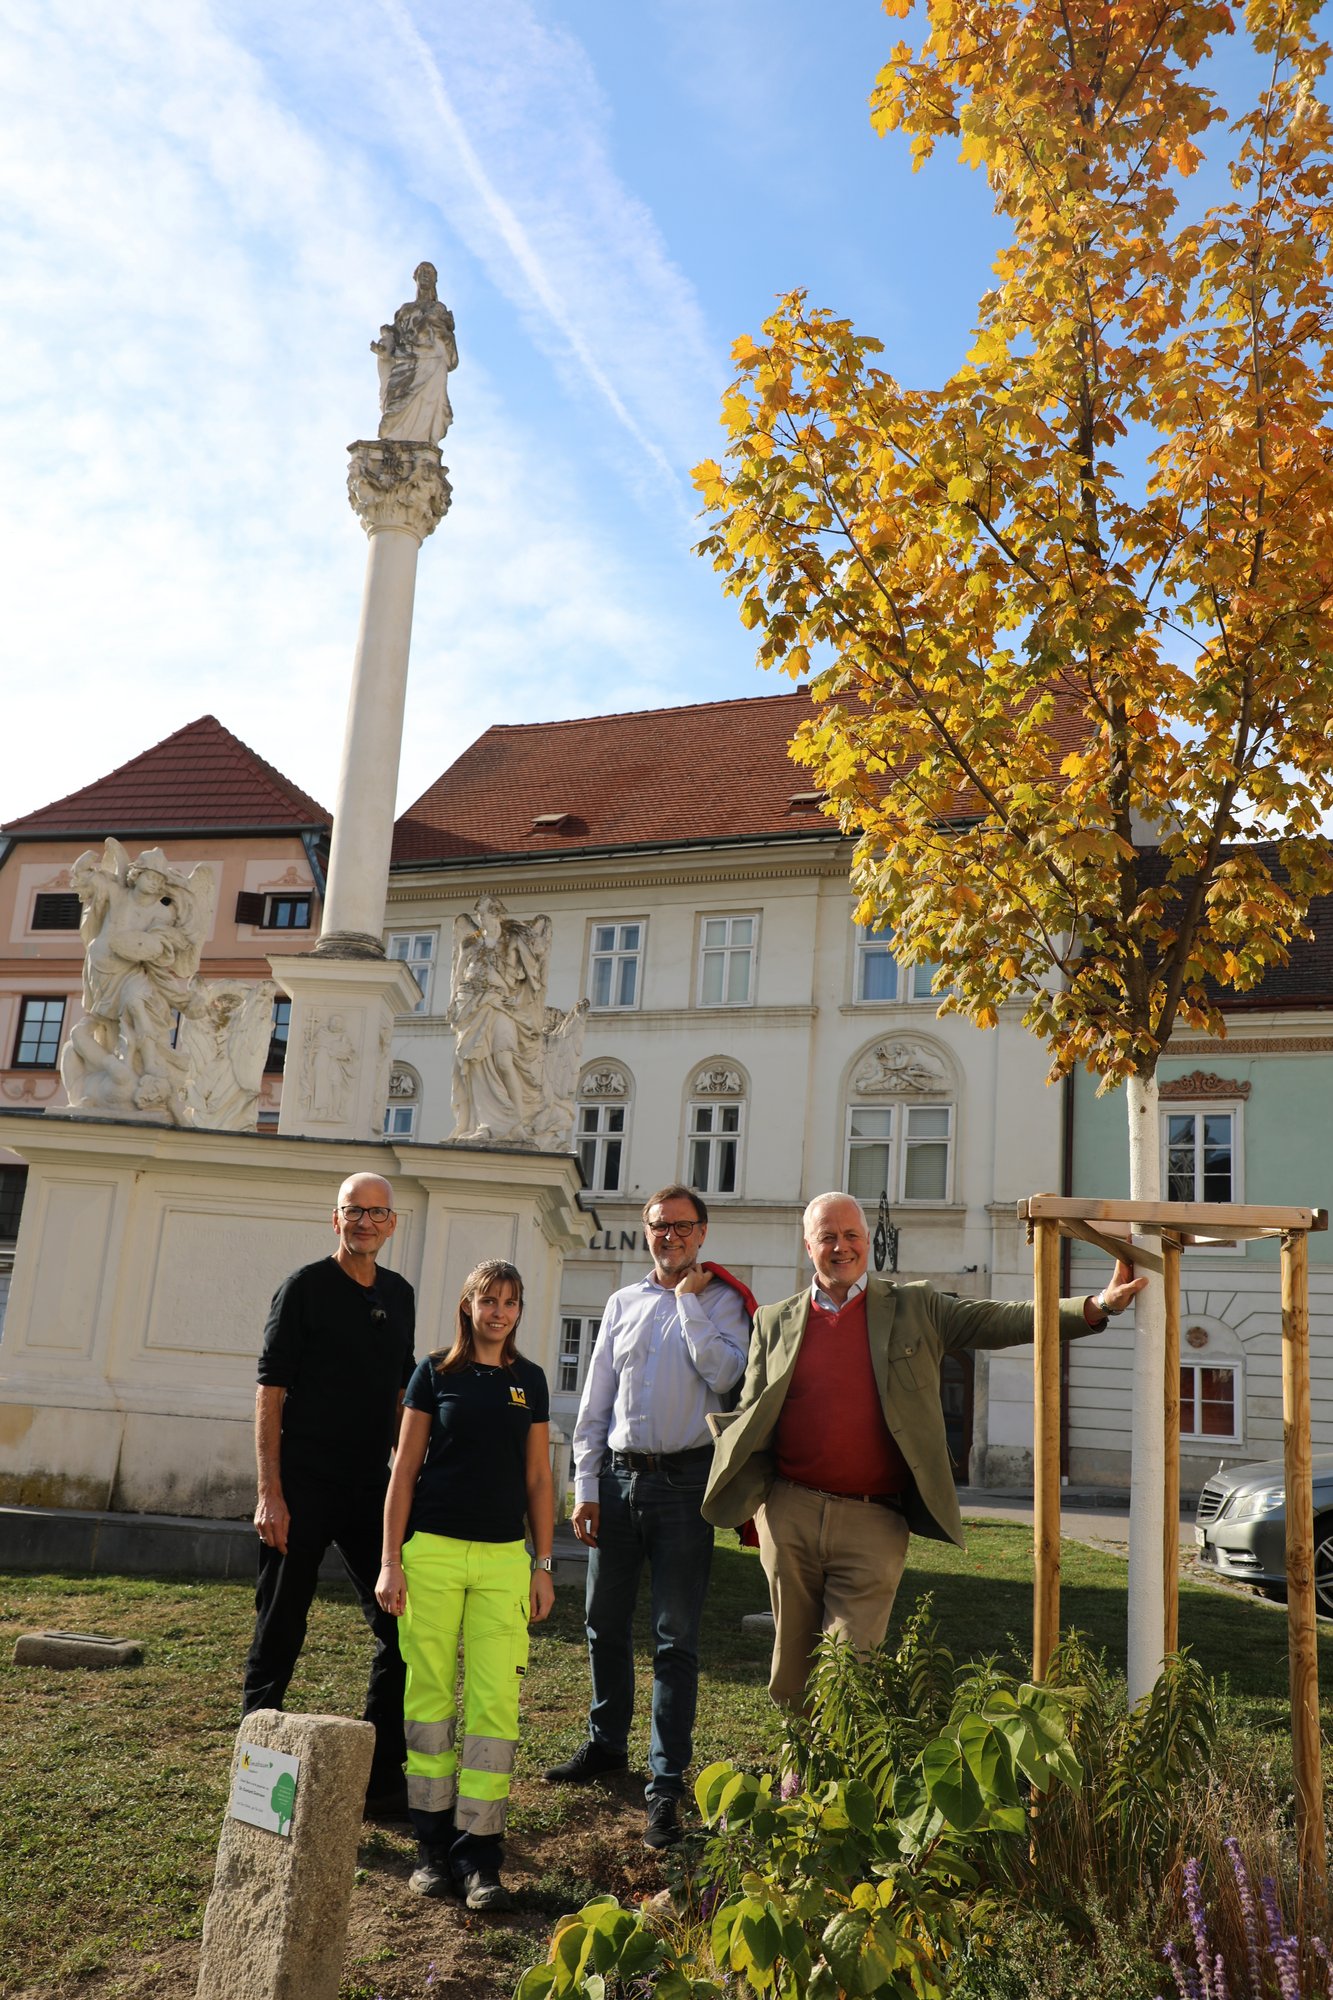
1171	1460
1302	1646
1046	1447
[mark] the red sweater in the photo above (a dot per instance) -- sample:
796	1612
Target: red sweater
832	1434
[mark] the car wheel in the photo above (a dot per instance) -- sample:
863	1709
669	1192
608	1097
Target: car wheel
1323	1567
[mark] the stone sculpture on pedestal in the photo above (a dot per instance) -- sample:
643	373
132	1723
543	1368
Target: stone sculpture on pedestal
516	1060
159	1044
417	355
224	1037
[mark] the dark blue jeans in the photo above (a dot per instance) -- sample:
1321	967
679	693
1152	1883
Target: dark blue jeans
652	1517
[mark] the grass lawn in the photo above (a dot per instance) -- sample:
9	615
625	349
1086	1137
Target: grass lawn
112	1784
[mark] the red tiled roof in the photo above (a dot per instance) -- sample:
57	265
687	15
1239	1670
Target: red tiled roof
716	771
202	779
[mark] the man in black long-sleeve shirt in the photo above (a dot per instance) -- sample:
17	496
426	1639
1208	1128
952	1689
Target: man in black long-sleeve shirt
337	1355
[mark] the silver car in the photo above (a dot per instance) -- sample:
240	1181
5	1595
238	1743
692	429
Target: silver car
1240	1527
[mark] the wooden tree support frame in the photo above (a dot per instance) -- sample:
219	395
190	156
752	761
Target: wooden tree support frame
1118	1228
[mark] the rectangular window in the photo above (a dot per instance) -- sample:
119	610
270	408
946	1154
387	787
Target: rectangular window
1208	1400
283	911
400	1121
1200	1156
876	966
870	1151
38	1043
900	1151
416	950
726	961
926	1153
277	1041
880	975
714	1147
601	1146
614	966
13	1180
577	1336
55	912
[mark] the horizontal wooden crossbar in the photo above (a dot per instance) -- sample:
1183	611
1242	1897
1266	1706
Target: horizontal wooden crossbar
1218	1221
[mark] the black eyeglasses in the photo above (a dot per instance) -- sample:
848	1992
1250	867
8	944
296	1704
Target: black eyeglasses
352	1213
681	1229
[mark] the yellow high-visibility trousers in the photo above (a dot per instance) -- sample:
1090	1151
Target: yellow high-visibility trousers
477	1591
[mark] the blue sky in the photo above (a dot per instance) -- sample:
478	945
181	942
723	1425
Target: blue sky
206	211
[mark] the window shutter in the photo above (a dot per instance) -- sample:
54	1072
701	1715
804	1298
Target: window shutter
250	907
58	912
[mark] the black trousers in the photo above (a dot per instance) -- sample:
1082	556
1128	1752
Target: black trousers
352	1522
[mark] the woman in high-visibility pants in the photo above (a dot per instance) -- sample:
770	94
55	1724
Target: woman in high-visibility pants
473	1460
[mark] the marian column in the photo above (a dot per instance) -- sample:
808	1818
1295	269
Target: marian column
346	995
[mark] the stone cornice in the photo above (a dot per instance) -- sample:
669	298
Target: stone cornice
614	1019
1251	1045
562	877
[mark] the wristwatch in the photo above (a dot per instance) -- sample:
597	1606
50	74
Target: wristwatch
1107	1311
542	1562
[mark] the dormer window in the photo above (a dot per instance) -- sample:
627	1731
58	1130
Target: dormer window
804	802
556	823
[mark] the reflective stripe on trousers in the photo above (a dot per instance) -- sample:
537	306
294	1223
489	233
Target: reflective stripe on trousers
476	1591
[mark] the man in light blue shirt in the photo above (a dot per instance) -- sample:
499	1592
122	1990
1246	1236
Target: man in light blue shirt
669	1350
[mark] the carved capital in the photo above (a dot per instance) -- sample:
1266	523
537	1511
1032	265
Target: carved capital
393	484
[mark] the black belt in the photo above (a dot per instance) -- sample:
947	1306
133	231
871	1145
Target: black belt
660	1461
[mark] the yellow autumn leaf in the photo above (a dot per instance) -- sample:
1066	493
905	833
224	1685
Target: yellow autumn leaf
959	487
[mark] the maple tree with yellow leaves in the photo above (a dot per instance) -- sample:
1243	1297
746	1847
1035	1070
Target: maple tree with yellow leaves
1077	601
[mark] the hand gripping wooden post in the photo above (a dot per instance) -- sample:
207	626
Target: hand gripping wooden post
1109	1226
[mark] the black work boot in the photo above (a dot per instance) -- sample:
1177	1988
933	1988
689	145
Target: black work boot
589	1761
432	1875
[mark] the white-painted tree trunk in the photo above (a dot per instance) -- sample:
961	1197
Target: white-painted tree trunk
1147	1582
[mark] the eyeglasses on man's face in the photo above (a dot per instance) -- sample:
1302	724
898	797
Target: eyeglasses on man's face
351	1212
680	1229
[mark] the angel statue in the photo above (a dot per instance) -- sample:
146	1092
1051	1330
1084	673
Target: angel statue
497	1009
562	1059
416	356
143	926
225	1031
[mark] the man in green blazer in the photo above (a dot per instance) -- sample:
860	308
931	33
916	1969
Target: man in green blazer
837	1445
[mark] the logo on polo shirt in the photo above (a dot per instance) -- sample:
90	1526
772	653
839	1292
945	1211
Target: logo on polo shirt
516	1395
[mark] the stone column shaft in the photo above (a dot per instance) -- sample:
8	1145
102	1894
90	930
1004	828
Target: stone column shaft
363	812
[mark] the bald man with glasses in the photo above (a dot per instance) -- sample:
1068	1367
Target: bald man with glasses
337	1356
669	1350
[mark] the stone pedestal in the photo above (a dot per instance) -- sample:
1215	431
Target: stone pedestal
276	1923
335	1082
145	1264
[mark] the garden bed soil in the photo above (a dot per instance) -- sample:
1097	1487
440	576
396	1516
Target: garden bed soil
405	1947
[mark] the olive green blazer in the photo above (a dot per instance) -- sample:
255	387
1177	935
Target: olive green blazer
912	1327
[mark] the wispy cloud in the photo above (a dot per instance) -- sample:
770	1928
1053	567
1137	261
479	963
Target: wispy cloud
519	243
204	215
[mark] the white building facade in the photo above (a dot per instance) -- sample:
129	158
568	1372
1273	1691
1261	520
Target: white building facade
744	1036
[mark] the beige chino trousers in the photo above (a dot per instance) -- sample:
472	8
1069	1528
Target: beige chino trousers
832	1565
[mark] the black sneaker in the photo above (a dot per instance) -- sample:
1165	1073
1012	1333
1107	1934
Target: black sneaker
588	1762
663	1828
482	1889
432	1875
